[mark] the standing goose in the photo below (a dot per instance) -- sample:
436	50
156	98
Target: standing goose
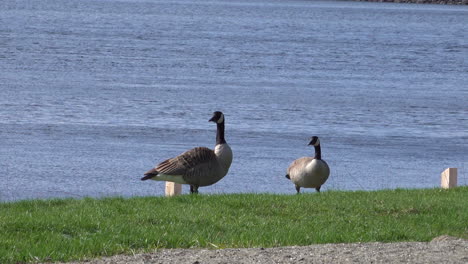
309	172
199	166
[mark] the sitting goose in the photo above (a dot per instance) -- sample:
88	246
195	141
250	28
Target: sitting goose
199	166
309	172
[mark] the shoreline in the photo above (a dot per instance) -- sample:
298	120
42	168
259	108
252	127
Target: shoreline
436	2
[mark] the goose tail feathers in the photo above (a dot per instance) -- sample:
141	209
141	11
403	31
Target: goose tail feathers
150	174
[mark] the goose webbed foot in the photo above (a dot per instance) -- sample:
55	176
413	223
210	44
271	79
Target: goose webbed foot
298	189
318	188
193	189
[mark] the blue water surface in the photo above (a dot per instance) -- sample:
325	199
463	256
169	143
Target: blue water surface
94	93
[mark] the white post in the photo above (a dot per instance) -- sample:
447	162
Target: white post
173	189
448	178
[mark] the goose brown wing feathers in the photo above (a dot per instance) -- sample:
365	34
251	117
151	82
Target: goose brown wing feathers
298	165
187	161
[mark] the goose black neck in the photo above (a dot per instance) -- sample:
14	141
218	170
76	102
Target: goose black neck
318	152
220	133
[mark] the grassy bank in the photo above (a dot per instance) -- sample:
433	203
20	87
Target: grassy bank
77	229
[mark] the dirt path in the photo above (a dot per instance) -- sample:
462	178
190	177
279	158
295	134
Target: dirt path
441	250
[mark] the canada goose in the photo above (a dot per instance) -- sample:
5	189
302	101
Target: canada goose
199	166
309	172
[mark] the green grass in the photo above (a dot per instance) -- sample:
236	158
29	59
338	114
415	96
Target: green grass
71	229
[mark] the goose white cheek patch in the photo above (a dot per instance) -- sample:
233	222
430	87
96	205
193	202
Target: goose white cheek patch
317	143
221	119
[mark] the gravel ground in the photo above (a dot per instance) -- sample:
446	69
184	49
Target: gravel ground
442	249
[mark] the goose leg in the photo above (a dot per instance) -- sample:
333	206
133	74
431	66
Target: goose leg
298	188
318	188
193	188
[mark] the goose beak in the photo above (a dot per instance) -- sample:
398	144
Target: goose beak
213	119
313	141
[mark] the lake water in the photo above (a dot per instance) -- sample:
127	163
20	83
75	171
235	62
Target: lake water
94	93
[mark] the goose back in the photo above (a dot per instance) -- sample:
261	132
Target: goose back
198	166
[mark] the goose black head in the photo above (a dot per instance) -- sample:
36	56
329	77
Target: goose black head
218	117
314	141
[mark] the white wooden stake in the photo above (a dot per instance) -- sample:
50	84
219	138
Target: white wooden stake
173	189
448	178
